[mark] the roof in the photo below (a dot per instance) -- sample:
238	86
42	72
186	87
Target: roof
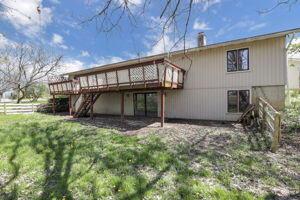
190	50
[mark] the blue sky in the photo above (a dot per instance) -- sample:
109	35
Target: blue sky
58	27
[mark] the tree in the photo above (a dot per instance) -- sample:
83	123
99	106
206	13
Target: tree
172	15
23	66
37	91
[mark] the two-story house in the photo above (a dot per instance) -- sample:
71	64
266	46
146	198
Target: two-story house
210	82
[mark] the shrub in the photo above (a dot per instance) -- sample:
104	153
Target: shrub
61	105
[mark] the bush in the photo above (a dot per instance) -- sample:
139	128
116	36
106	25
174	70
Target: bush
61	105
291	120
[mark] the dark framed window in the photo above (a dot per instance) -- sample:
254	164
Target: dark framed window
145	104
238	60
237	100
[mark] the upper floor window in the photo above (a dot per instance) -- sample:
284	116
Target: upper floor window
238	60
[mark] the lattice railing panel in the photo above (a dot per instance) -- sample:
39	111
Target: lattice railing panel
64	87
136	74
92	81
83	81
111	78
101	80
150	72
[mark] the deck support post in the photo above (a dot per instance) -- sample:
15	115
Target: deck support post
70	105
53	104
162	108
92	107
122	107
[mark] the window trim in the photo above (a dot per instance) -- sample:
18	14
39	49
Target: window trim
238	100
237	60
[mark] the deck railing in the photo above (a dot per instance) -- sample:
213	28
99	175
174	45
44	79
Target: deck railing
155	74
270	120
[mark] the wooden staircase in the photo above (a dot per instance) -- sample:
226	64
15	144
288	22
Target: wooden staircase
86	104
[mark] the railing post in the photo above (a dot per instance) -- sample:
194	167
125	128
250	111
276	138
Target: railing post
276	133
117	79
129	77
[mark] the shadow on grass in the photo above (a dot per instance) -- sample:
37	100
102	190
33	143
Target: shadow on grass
97	163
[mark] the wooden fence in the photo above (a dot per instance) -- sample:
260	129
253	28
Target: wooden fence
270	120
14	108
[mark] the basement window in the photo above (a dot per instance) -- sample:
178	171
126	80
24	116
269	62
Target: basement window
238	100
238	60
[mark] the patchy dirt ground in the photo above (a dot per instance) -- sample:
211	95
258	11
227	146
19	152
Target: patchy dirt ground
222	153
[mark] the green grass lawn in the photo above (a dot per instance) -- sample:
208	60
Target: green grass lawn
47	157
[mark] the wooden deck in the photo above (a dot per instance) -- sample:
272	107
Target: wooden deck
159	74
153	75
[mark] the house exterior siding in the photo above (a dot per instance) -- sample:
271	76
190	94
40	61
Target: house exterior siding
207	81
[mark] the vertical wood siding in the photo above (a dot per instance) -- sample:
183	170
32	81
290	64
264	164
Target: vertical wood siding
207	81
205	88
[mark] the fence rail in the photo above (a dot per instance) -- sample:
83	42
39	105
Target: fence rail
14	108
270	120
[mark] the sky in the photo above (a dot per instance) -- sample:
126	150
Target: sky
59	28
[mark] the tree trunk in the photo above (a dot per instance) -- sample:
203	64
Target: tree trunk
21	95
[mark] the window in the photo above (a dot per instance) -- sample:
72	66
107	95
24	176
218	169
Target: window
238	100
238	60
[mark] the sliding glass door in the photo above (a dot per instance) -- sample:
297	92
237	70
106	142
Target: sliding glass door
145	104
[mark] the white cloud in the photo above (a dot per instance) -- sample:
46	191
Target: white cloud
58	40
157	44
84	54
166	44
131	3
201	25
104	60
72	65
245	24
207	3
257	26
23	15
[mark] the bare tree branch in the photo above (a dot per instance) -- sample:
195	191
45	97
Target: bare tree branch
279	3
23	66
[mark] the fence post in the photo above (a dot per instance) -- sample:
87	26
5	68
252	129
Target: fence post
276	133
4	108
32	107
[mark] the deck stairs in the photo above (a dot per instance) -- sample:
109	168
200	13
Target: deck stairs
87	101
